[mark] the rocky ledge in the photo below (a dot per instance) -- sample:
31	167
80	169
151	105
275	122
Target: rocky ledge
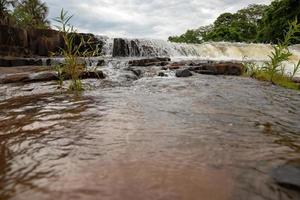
39	42
187	68
29	74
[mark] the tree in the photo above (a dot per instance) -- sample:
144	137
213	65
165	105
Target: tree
5	14
237	27
253	12
274	23
32	13
191	36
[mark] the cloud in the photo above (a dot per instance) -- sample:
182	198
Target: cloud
144	18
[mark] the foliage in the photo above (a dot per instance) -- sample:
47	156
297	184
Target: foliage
192	36
31	13
275	20
5	12
238	27
256	23
74	57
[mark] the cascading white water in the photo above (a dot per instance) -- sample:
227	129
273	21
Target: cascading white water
208	50
217	51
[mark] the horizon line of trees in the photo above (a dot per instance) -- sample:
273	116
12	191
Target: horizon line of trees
256	23
24	13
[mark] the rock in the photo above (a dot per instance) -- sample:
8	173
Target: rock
48	62
161	74
20	42
125	48
180	64
42	76
100	63
296	79
288	175
137	72
14	78
45	76
93	75
16	61
183	73
235	69
174	66
149	62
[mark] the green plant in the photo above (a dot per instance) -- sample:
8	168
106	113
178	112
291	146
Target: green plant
281	51
76	51
296	69
70	53
61	75
32	13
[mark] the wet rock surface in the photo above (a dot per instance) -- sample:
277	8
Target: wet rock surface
183	73
17	61
39	74
235	69
288	175
158	61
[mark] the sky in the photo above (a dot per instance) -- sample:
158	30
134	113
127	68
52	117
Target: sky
157	19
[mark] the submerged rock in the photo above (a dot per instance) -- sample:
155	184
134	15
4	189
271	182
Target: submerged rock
162	74
183	73
288	175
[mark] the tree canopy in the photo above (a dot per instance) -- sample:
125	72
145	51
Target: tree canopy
275	21
256	23
24	13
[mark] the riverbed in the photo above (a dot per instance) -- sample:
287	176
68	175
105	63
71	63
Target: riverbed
201	137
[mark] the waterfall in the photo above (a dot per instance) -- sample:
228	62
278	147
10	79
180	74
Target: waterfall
120	47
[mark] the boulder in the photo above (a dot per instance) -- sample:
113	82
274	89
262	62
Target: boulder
45	76
235	69
183	73
14	78
41	76
92	75
121	48
15	61
296	79
100	63
172	66
137	72
158	61
162	74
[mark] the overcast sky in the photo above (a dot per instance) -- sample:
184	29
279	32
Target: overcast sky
144	18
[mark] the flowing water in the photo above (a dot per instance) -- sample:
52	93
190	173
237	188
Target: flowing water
202	137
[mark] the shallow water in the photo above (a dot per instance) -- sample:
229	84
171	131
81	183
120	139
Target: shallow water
203	137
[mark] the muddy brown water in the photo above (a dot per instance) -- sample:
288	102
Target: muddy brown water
202	137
